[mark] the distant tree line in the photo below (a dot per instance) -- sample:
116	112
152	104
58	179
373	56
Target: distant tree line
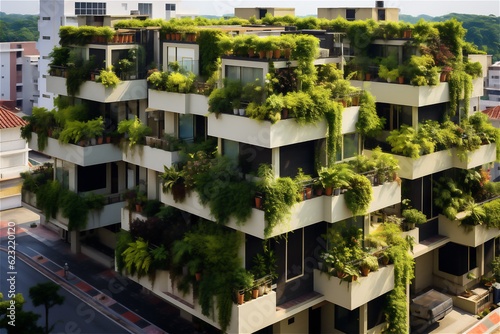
18	28
482	30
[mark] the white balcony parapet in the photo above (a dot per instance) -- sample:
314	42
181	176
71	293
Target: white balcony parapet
466	235
127	217
180	103
323	208
128	90
352	295
109	215
79	155
284	132
439	161
409	95
149	157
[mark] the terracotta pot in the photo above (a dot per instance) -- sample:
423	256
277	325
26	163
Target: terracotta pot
269	54
177	36
401	80
308	192
194	37
92	76
82	143
365	271
100	140
255	293
277	53
328	191
442	78
408	33
197	276
341	274
355	100
288	52
262	54
241	298
251	53
368	76
138	208
284	113
258	202
318	191
108	139
344	103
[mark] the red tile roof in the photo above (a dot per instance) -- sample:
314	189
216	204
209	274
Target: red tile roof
8	119
493	113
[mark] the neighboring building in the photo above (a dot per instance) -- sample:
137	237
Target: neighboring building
55	14
378	13
492	85
260	13
302	298
19	75
13	159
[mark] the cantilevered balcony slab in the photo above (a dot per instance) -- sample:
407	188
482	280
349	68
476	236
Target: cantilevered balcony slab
351	295
82	156
309	212
149	157
109	215
409	95
128	90
195	104
439	161
466	235
282	133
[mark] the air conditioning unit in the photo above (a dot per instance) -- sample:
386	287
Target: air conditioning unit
324	53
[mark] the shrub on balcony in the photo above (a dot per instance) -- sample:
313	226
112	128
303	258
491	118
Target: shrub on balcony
59	56
413	217
369	124
108	78
74	131
136	131
40	122
359	195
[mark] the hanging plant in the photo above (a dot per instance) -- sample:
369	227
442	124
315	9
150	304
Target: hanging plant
359	195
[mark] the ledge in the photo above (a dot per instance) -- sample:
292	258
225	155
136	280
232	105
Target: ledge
149	157
466	235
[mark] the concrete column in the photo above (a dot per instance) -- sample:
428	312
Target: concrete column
170	123
73	176
363	318
414	117
275	161
122	177
241	251
143	104
219	146
480	259
75	241
152	184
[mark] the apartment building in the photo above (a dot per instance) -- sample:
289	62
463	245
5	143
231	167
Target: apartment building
170	128
492	86
55	14
377	13
19	75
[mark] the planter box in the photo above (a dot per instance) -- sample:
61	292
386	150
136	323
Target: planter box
472	237
127	217
82	156
128	90
149	157
485	154
353	295
177	102
109	215
284	132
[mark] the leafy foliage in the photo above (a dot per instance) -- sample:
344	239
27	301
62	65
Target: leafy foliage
359	195
369	123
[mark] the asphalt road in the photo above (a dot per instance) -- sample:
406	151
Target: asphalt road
73	317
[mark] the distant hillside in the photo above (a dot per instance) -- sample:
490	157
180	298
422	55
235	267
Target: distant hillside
18	28
482	30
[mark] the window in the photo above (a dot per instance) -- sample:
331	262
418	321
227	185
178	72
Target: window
381	14
350	146
457	259
230	149
170	7
62	173
145	9
46	37
345	320
186	127
90	8
244	74
19	54
46	96
295	254
19	67
19	88
350	14
46	18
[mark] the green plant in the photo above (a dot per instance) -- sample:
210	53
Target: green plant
359	195
495	268
370	262
137	258
369	124
218	102
108	78
59	55
136	131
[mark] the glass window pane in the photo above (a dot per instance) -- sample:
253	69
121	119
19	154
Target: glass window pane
248	75
186	127
233	73
351	145
231	149
294	261
171	54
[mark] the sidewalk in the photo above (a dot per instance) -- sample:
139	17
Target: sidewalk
120	298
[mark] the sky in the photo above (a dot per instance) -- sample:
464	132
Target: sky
303	8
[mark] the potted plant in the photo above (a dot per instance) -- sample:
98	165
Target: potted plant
243	281
412	217
304	182
258	200
369	263
259	271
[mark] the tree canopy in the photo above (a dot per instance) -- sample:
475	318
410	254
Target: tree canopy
18	28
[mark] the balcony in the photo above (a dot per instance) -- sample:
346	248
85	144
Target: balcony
242	316
195	104
82	156
127	217
149	157
322	208
109	215
466	235
128	90
284	132
439	161
408	95
353	295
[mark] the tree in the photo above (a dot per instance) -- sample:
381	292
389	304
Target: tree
46	294
25	322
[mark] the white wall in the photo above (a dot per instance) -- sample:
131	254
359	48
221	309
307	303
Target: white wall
30	83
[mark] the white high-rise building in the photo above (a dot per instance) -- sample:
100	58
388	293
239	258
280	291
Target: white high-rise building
57	13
